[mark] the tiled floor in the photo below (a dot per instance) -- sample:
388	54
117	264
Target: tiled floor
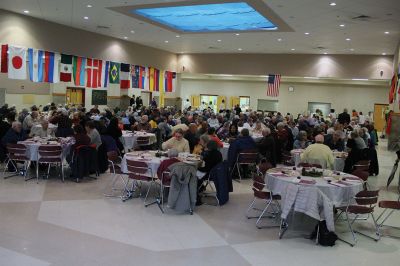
55	223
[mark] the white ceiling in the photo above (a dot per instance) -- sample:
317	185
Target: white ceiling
314	16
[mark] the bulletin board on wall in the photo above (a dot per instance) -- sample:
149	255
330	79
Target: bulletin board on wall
99	97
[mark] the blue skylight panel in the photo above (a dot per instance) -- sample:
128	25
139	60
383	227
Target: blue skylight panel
238	16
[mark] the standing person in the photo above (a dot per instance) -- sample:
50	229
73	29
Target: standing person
222	106
139	102
237	109
186	104
344	118
132	100
361	119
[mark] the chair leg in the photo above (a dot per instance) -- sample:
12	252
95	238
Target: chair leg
37	172
62	171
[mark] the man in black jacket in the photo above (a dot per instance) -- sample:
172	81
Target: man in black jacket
344	118
267	147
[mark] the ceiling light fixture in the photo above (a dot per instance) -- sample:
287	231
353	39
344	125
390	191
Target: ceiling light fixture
360	79
279	40
125	37
219	40
89	6
240	49
332	4
293	49
132	31
177	36
383	53
306	33
351	49
166	41
325	53
86	18
386	32
342	25
348	39
26	11
237	34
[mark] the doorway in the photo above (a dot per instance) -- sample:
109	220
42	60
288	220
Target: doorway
325	108
209	101
146	97
75	96
379	116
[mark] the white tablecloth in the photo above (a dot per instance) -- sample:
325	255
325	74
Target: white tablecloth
338	164
311	199
128	139
33	147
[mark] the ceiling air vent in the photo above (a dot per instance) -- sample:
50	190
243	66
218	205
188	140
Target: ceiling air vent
362	18
213	48
320	48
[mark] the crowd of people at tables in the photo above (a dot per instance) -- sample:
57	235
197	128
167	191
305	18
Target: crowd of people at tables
201	132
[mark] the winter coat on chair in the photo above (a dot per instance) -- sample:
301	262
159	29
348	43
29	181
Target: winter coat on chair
183	191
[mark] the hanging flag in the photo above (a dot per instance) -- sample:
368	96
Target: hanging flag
79	70
392	92
66	68
114	73
273	83
161	81
151	78
4	58
146	75
35	65
156	79
135	71
104	73
51	67
16	62
93	71
169	81
142	77
124	76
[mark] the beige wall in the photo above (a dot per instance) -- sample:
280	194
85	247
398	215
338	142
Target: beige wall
341	94
300	65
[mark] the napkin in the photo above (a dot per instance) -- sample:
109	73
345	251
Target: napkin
307	182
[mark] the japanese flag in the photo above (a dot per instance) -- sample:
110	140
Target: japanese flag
16	62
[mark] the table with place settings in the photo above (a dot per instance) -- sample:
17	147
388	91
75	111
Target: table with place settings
129	138
313	196
34	144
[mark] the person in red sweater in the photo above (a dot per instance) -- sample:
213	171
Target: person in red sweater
214	137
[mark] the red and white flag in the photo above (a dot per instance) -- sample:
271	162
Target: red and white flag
94	71
4	58
16	62
274	81
124	76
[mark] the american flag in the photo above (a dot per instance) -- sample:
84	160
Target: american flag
274	81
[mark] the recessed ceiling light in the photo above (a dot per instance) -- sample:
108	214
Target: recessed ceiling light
237	34
332	4
292	49
325	53
166	41
86	18
348	39
279	40
26	11
386	32
125	37
219	40
89	6
177	36
383	53
351	49
306	33
132	31
342	25
240	49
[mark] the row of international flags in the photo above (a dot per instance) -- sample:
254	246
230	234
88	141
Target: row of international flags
51	67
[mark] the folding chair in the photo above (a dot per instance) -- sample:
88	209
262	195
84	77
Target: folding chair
268	197
17	153
209	183
365	204
143	141
362	165
391	206
362	174
139	171
287	159
245	157
50	155
114	163
165	182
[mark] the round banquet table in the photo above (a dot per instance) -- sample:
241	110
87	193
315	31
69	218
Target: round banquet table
129	138
34	144
153	162
339	192
338	164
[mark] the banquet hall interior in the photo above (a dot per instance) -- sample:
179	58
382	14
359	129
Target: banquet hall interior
226	132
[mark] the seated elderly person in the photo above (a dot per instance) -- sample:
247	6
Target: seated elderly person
243	142
301	142
258	127
267	147
334	141
42	131
93	134
143	125
359	142
177	142
14	134
318	153
201	144
213	121
30	120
